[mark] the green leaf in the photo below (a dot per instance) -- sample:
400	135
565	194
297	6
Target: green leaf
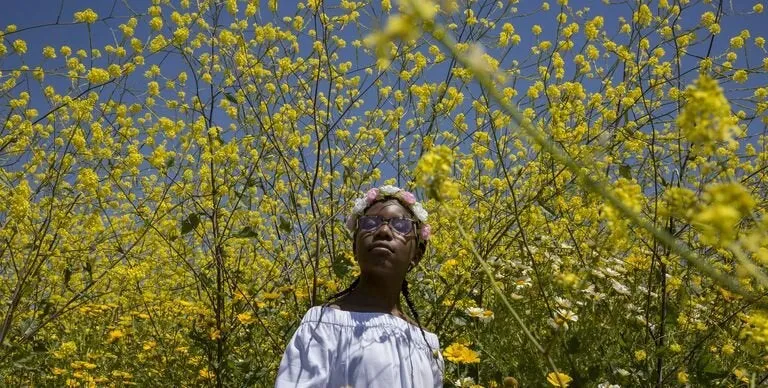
67	276
230	98
340	267
347	173
285	225
625	171
707	364
88	272
190	223
246	232
573	345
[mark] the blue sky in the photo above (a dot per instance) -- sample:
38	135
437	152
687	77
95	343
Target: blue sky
31	13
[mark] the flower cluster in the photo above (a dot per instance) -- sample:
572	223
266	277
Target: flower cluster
388	191
706	118
757	329
433	172
86	16
725	204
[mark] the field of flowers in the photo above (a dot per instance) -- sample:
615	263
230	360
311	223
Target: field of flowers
174	177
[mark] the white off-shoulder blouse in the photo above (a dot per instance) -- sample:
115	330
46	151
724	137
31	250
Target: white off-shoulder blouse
336	348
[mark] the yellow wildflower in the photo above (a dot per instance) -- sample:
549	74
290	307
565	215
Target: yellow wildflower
741	375
49	52
557	379
433	172
156	23
149	345
460	354
115	335
98	76
740	76
245	318
725	204
706	116
86	16
643	16
58	371
157	43
737	42
20	46
757	328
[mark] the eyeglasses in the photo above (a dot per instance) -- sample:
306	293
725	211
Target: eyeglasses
399	224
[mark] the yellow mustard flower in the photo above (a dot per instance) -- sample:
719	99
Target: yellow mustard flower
86	16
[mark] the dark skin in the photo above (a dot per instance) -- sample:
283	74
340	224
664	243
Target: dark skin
384	257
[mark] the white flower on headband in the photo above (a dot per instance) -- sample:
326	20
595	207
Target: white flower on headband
389	189
405	197
360	205
419	212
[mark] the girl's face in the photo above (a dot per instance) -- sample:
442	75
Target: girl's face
384	252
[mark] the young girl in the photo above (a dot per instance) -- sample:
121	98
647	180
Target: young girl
363	339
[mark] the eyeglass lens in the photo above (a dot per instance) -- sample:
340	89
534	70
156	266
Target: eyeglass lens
401	225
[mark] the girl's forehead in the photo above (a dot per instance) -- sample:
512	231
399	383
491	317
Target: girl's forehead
388	208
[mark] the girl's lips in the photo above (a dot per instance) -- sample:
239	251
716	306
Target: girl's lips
381	248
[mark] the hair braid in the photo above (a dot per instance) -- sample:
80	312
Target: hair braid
407	295
344	291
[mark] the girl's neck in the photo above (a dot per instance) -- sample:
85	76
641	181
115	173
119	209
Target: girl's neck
374	296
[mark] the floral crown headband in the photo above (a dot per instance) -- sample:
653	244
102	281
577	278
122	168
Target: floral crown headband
389	191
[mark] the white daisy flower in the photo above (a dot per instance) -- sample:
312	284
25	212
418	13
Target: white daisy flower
620	288
563	302
475	311
486	316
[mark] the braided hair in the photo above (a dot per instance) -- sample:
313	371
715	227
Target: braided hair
343	292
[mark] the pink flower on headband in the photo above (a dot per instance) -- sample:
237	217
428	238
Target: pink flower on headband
425	232
371	195
407	197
